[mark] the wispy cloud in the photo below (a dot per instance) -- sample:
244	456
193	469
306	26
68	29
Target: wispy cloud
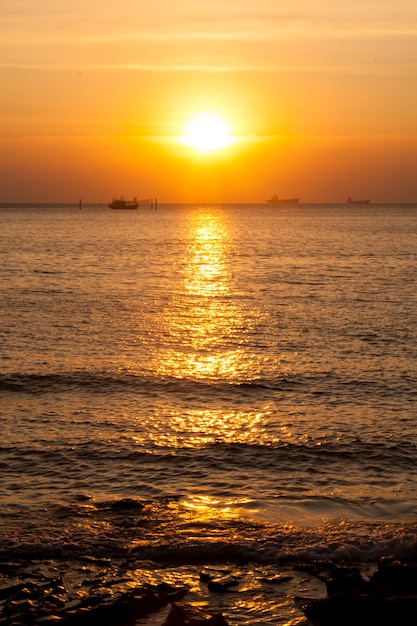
236	19
208	36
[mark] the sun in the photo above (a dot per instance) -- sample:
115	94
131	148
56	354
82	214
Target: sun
207	132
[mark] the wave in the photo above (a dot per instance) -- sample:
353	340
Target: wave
316	384
146	385
164	532
278	481
268	455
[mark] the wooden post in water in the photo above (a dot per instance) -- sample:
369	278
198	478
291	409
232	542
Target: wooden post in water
80	203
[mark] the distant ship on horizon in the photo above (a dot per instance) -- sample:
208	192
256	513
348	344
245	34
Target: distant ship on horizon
276	200
121	203
352	201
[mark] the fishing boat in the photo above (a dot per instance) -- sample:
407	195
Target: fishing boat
352	201
276	200
121	203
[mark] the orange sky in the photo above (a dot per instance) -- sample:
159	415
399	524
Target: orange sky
321	99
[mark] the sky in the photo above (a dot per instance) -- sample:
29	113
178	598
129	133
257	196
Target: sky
320	100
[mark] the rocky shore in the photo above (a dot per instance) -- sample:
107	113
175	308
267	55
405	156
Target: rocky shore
93	593
47	601
388	598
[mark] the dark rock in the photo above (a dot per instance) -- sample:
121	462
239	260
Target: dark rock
205	576
277	580
210	574
170	592
388	599
346	610
127	504
393	577
33	605
125	609
346	580
189	615
221	585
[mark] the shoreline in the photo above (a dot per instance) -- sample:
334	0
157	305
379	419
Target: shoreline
74	592
100	560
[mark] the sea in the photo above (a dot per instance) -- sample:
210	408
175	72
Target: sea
231	386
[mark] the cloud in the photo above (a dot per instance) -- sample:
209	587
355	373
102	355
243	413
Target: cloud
115	20
213	36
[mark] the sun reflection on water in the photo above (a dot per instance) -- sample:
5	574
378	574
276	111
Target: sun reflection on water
206	269
194	428
202	322
200	349
204	507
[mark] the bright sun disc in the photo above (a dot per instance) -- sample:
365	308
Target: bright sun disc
207	132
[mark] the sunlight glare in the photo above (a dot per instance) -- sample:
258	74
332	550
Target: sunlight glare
207	132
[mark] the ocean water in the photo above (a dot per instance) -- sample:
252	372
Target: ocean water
245	374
